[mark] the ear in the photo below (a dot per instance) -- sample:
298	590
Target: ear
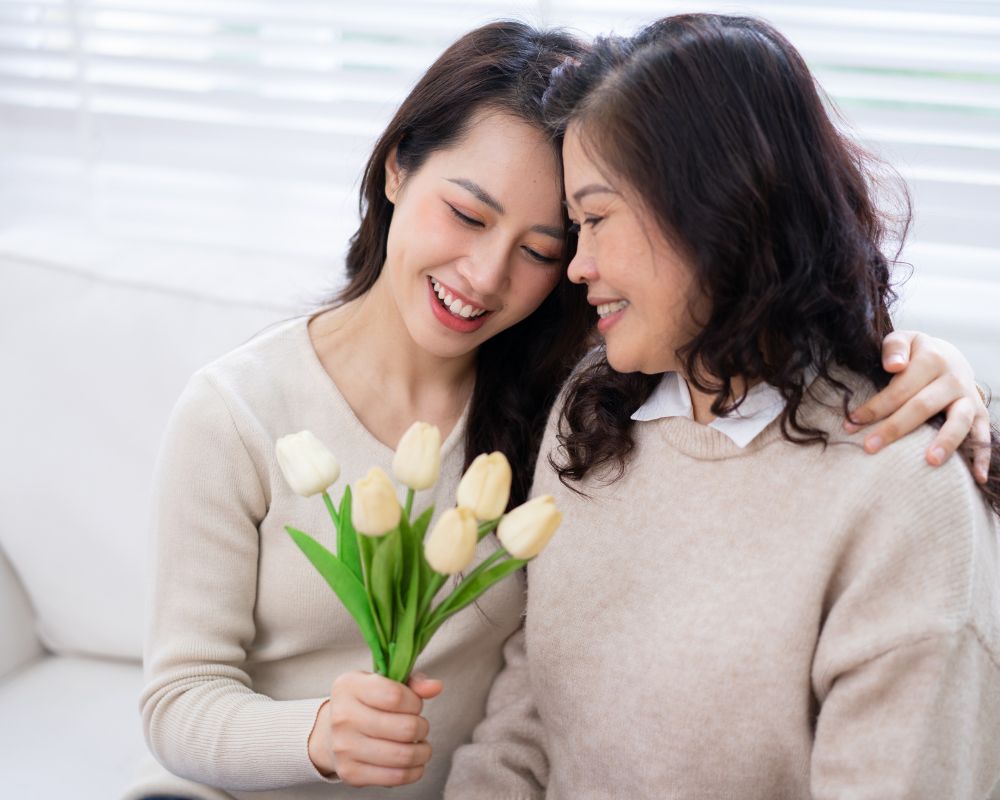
393	176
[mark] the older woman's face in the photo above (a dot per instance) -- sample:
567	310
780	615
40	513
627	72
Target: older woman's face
639	283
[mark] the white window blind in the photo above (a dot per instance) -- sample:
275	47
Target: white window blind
243	125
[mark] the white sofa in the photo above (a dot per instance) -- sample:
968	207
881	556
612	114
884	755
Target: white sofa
94	352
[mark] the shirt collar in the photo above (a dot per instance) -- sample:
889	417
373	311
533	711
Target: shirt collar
671	398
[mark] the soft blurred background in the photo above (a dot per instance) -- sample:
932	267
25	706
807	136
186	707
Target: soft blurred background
177	174
227	136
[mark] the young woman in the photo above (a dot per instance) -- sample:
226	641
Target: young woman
457	312
740	603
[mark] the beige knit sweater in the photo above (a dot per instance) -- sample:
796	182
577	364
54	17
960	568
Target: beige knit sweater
244	638
780	621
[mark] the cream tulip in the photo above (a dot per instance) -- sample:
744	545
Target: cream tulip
451	545
375	508
526	530
417	462
308	467
485	487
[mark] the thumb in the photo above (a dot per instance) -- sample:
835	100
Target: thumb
896	350
425	688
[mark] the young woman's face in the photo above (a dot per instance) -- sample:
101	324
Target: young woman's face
476	236
641	286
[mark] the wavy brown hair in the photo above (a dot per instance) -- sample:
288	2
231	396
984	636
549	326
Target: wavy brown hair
503	66
719	125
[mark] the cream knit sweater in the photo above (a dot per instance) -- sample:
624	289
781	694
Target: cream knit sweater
780	621
244	637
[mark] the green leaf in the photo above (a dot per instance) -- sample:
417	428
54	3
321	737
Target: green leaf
347	539
468	590
405	652
419	525
346	586
384	575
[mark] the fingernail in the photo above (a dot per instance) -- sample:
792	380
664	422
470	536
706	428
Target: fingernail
981	474
851	427
418	676
873	443
937	454
895	359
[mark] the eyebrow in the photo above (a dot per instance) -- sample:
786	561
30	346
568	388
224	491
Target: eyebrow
487	199
592	188
480	193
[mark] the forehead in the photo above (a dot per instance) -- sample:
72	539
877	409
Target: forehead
513	160
579	167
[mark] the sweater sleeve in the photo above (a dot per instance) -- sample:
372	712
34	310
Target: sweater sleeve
506	758
906	669
201	716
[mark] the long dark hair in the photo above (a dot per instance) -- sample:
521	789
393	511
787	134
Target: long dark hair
503	66
719	123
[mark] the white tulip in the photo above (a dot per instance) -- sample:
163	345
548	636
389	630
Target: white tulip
485	487
451	545
526	530
417	462
308	467
375	508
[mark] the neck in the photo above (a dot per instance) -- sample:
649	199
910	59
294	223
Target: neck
701	402
390	361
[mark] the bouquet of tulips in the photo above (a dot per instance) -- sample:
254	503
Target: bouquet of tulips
385	571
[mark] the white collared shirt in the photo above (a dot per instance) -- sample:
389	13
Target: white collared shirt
672	398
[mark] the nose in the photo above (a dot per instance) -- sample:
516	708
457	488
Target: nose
486	270
583	268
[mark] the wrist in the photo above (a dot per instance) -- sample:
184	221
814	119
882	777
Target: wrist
320	752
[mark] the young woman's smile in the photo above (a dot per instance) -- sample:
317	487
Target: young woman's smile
476	238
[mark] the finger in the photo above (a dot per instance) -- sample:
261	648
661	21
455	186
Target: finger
899	391
357	773
405	728
394	755
917	410
952	433
982	449
896	350
387	695
425	688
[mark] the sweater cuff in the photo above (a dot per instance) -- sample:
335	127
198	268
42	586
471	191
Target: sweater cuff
288	741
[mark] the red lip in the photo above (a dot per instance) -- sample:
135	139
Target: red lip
449	320
604	323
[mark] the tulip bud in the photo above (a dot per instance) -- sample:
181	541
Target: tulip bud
485	487
452	544
417	462
306	464
375	507
526	530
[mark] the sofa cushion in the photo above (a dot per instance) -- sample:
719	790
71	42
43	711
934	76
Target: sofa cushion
96	363
71	728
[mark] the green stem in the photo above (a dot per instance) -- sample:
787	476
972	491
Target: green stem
366	564
485	565
433	587
332	510
409	503
485	528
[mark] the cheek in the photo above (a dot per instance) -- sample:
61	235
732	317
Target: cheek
531	285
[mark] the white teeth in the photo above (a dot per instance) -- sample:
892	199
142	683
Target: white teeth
454	305
607	309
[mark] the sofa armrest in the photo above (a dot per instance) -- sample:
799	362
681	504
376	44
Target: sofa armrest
17	622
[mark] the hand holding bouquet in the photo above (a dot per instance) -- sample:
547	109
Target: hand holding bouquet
386	570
